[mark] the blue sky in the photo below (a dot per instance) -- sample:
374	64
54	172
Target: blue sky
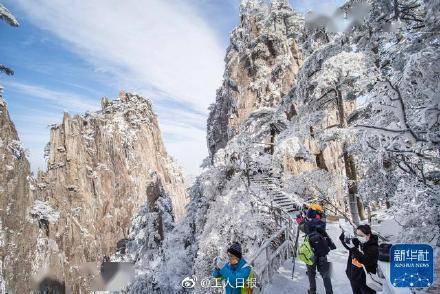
68	54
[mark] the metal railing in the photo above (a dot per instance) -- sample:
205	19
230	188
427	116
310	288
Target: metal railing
275	250
278	248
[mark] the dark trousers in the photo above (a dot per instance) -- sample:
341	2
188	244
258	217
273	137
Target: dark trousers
361	288
323	267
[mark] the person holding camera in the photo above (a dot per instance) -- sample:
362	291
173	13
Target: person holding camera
235	272
363	252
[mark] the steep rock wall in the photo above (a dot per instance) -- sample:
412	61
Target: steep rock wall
101	168
261	66
17	235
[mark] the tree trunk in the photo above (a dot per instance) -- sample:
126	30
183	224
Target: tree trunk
387	203
341	110
352	187
350	167
396	9
369	214
361	208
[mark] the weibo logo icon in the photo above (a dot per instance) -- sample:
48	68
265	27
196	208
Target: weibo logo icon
189	283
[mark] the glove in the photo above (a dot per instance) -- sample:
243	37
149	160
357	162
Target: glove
342	237
350	244
218	262
356	242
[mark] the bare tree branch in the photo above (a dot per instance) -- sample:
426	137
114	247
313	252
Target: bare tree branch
382	129
403	109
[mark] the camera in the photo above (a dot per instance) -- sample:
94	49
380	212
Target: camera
348	239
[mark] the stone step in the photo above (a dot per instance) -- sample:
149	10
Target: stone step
281	197
275	191
286	206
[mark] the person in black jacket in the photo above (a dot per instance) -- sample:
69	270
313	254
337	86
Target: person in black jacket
364	251
321	244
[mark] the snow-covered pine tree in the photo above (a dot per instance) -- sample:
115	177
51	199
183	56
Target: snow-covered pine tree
7	16
398	127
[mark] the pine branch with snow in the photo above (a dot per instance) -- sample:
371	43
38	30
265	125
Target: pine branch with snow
7	16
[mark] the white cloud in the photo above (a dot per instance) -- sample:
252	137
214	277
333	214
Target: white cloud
160	48
160	44
65	100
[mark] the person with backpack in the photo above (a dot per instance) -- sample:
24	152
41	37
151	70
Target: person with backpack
317	208
313	222
236	273
320	211
363	253
313	252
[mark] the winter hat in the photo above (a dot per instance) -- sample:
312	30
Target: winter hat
235	250
311	213
316	207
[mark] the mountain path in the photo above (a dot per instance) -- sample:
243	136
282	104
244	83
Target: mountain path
282	281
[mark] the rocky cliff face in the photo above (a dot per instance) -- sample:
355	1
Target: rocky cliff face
316	138
106	170
124	135
299	125
261	66
226	204
17	235
101	168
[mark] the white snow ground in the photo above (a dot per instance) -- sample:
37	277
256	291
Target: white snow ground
283	282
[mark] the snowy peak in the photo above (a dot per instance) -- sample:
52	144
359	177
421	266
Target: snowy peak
128	101
251	6
261	66
103	169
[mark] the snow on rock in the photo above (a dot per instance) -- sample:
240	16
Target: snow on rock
7	16
261	65
103	167
17	235
43	210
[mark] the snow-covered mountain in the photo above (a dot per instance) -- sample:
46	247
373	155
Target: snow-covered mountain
347	119
262	61
103	168
15	250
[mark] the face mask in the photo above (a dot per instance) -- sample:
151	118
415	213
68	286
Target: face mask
362	239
